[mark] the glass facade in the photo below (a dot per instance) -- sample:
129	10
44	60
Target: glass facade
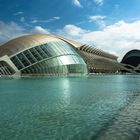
56	57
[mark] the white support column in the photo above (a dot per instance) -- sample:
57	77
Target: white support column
7	60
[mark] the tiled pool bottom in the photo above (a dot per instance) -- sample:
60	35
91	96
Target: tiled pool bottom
104	107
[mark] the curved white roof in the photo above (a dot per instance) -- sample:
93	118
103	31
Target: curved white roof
21	43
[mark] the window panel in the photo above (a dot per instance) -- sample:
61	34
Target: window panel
23	59
56	49
66	60
44	48
60	47
51	50
35	54
39	50
29	56
17	62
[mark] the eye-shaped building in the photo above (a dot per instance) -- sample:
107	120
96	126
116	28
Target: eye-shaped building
42	54
132	60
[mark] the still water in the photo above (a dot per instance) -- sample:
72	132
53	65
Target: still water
99	107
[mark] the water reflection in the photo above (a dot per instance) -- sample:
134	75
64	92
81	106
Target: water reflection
66	90
95	107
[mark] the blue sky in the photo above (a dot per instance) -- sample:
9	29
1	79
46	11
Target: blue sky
111	25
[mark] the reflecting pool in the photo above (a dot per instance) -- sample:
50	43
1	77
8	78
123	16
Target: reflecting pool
98	107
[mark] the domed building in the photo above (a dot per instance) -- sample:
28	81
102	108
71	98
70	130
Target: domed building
42	54
132	60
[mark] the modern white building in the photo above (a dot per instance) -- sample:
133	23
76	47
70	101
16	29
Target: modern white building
42	54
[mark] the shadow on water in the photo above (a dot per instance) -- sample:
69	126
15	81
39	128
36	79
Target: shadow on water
108	125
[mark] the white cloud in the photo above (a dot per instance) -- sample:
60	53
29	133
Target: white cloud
18	13
45	21
22	19
57	18
98	19
77	3
10	30
34	21
117	38
39	30
99	2
72	31
101	23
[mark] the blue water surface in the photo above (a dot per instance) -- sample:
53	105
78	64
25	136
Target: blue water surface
103	107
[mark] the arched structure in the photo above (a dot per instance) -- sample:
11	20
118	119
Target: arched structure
132	58
99	61
132	61
42	54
